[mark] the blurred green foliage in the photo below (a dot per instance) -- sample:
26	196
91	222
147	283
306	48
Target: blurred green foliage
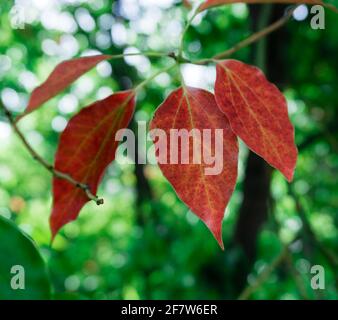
147	245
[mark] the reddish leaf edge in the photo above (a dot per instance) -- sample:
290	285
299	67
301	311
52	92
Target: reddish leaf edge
290	176
55	232
216	229
27	111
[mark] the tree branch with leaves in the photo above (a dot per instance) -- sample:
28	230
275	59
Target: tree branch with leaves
245	105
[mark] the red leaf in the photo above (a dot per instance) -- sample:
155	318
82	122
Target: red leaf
62	76
87	147
215	3
206	195
258	113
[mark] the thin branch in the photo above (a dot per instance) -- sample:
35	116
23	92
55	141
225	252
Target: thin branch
296	276
284	256
186	28
263	277
251	39
145	53
153	76
330	256
47	165
330	7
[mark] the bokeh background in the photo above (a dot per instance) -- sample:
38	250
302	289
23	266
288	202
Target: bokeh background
144	243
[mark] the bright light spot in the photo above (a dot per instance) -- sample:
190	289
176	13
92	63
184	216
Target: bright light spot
103	40
138	61
148	22
97	4
59	124
172	32
156	42
49	19
91	283
106	21
195	46
198	19
28	80
72	283
293	224
188	280
50	47
41	4
163	80
34	138
6	175
104	69
239	10
10	99
5	131
26	228
301	187
83	87
17	53
68	104
301	12
119	34
130	9
61	21
91	52
5	64
85	20
119	260
165	4
141	115
292	106
191	218
104	92
69	46
199	76
66	23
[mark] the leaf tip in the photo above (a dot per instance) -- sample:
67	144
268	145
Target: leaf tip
289	171
221	244
216	229
289	175
54	229
219	241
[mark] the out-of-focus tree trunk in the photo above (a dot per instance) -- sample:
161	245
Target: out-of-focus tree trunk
254	209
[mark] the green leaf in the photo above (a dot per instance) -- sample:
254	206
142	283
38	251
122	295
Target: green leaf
18	249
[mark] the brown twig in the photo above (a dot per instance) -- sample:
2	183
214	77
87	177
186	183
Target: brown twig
284	257
47	165
249	290
330	7
251	39
296	276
